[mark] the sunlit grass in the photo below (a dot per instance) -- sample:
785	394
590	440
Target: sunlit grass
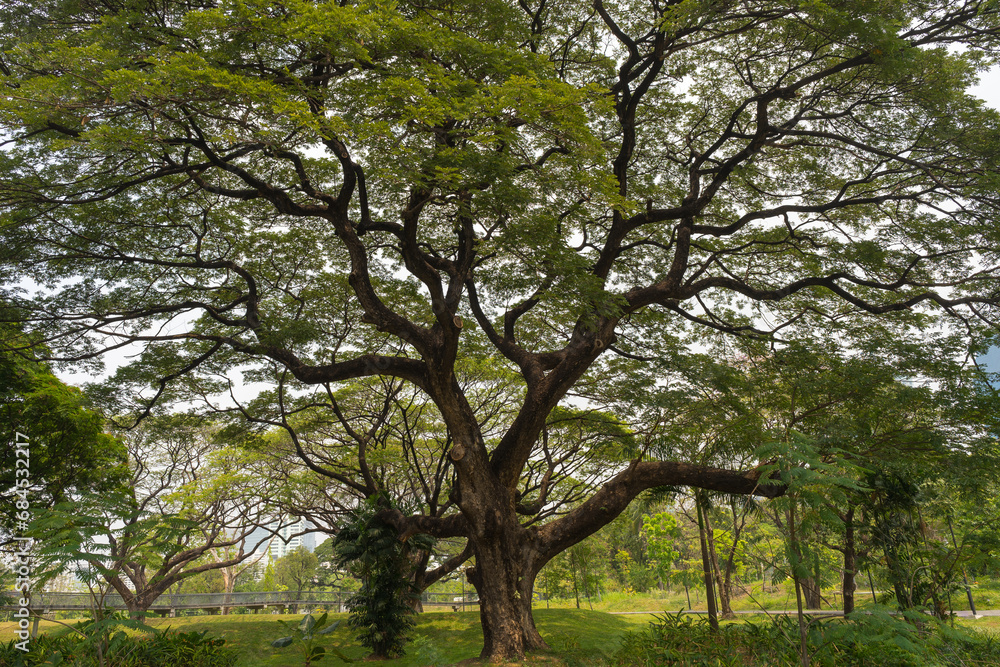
447	638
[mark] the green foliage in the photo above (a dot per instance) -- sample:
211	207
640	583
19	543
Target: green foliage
205	582
554	580
7	581
157	649
426	651
77	536
370	548
661	532
588	563
327	571
295	569
269	582
308	631
318	192
872	639
68	448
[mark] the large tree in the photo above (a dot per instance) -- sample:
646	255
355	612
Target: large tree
333	190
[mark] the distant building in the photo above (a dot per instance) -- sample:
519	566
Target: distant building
64	582
287	540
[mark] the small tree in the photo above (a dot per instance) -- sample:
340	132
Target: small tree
269	582
371	549
661	532
296	569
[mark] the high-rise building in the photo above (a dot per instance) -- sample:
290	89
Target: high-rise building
286	538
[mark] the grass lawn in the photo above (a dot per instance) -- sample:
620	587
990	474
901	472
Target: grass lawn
443	638
986	623
450	637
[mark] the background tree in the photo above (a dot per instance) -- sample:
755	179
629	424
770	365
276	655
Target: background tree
588	561
247	570
296	569
334	191
184	497
661	532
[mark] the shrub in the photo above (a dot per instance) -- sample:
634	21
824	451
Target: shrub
877	639
160	649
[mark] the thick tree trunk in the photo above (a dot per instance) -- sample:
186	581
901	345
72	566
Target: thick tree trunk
139	604
508	556
504	578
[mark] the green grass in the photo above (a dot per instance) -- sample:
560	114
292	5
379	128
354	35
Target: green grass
776	597
576	636
450	637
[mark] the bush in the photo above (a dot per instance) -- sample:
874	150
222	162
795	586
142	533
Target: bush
161	649
865	640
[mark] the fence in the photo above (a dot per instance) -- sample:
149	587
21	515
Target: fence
211	601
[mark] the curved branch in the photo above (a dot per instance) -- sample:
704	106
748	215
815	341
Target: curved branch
615	495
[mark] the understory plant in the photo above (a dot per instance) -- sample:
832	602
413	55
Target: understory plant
874	638
307	632
159	649
382	610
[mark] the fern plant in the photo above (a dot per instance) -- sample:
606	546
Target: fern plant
381	611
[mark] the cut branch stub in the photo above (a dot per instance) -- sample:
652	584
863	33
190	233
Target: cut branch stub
457	452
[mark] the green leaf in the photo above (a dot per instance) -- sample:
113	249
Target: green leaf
329	629
306	624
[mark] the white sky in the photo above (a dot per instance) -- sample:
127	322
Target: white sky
989	88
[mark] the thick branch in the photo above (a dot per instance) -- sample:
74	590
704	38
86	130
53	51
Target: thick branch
618	492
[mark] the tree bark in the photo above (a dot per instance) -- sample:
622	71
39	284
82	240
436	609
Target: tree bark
510	556
228	584
504	580
419	573
722	591
848	584
811	592
796	554
713	615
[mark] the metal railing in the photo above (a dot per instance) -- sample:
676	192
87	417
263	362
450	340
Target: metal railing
69	601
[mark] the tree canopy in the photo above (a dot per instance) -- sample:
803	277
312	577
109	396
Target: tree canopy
313	192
